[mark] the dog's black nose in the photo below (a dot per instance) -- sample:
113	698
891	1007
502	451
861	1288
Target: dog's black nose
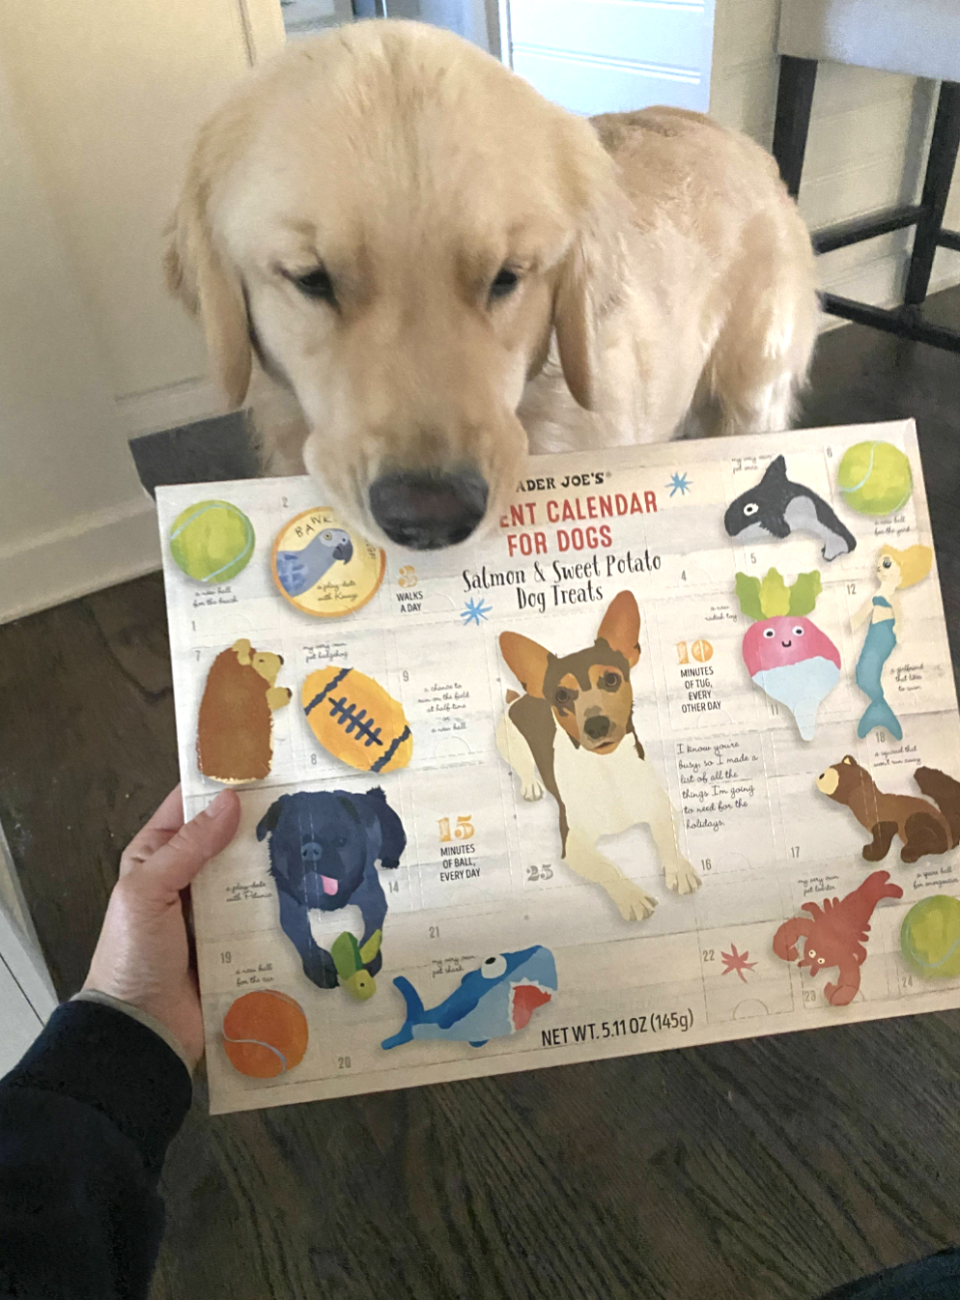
428	511
597	728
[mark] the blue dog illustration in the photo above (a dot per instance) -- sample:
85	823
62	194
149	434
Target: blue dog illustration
324	847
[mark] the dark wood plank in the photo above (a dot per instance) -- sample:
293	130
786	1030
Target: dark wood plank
755	1171
86	716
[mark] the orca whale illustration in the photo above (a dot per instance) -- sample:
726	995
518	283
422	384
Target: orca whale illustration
775	508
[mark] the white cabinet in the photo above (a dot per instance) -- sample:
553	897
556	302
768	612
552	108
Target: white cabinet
600	56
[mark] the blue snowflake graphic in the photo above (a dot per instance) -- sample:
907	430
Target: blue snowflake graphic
679	483
474	611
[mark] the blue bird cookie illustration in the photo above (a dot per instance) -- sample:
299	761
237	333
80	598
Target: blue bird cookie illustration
776	507
298	571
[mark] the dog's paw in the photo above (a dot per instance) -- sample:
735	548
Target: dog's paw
634	903
682	878
532	791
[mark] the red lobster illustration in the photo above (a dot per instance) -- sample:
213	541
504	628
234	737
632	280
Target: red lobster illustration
835	935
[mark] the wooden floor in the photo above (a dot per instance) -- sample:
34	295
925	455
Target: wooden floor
773	1168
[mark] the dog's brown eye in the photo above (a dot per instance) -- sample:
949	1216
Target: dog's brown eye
611	681
316	284
562	696
504	282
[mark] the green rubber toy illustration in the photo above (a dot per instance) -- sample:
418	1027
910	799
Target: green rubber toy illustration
350	960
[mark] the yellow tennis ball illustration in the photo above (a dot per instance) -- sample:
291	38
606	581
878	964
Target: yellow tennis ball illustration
356	721
875	478
265	1034
212	541
930	937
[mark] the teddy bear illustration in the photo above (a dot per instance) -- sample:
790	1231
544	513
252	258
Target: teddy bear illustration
235	728
923	827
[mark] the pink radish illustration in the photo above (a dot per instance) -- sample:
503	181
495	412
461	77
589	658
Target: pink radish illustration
786	654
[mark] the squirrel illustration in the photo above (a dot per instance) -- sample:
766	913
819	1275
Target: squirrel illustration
925	828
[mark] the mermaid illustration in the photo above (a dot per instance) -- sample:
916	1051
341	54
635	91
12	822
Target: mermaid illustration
895	570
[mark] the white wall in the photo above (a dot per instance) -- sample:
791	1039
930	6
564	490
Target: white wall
109	95
72	512
866	149
98	104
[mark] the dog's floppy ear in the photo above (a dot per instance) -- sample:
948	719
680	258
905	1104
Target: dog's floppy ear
198	274
347	804
526	660
621	627
589	287
268	822
393	838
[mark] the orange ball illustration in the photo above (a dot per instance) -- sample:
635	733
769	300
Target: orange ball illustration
265	1034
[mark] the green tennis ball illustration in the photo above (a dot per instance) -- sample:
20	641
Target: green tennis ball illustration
212	541
930	937
875	478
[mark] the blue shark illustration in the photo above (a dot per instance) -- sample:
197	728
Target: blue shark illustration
775	508
298	571
492	1002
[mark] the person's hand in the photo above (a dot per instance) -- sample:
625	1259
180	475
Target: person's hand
143	953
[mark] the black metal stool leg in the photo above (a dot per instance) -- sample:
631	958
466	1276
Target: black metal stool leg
944	145
794	100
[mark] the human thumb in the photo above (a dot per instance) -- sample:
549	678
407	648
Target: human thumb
175	865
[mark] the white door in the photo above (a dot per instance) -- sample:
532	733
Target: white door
603	56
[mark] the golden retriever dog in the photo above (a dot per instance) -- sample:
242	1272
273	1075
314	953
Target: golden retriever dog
417	269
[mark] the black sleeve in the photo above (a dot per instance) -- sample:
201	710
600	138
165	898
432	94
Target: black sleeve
85	1121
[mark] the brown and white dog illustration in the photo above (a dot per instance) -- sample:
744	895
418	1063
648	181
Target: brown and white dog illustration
572	733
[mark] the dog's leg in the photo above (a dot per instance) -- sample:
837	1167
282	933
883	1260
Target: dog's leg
655	810
582	855
516	752
372	902
770	409
660	815
767	408
295	922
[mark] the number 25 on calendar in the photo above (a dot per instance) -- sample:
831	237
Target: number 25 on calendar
463	830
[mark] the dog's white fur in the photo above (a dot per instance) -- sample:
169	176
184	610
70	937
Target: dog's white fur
605	795
666	279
